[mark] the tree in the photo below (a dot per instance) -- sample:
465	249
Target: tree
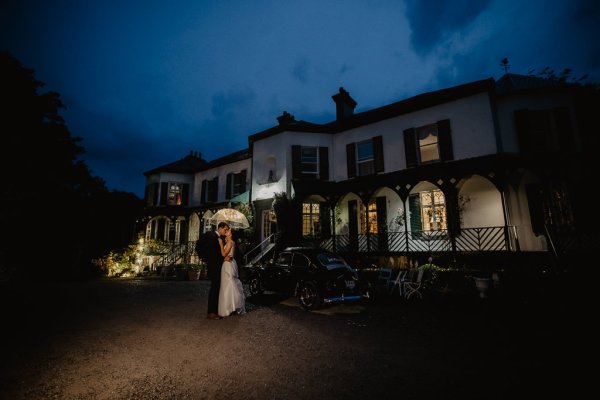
49	200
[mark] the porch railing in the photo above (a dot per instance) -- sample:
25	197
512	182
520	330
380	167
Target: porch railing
495	238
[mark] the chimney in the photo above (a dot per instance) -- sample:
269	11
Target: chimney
344	105
286	118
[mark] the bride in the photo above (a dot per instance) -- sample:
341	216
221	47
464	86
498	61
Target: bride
231	295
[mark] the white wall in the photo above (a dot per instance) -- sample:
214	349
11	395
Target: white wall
484	209
471	123
276	151
221	172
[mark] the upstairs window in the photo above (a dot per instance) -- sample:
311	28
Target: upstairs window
365	161
365	158
428	143
175	193
209	190
310	162
236	184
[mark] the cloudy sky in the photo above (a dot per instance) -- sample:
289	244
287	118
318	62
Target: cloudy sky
145	82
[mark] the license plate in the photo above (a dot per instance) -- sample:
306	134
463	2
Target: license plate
350	284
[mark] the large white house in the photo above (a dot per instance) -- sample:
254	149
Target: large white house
485	167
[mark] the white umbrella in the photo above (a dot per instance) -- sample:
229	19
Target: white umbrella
234	218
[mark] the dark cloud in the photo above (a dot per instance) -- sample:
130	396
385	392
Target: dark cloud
300	70
231	100
431	21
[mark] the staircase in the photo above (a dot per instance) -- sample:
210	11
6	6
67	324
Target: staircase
259	252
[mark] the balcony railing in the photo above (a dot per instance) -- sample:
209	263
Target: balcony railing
495	238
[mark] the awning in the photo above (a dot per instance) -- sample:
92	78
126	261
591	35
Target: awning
241	198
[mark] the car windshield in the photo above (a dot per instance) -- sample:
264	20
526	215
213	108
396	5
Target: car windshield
331	261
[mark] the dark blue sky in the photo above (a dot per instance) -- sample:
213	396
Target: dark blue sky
145	81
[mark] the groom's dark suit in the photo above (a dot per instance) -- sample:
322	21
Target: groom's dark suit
209	250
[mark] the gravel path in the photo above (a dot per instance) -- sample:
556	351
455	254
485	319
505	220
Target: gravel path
149	339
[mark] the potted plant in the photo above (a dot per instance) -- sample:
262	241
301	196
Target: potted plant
193	272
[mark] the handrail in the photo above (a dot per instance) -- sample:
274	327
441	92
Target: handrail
260	245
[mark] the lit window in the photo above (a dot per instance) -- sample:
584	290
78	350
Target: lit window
365	160
174	195
433	210
311	217
428	143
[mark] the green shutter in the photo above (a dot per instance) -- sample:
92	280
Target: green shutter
414	206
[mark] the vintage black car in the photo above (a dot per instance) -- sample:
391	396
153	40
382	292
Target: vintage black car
315	276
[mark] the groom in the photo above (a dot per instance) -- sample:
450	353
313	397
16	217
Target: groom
208	249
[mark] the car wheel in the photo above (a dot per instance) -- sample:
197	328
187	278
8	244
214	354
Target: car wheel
309	296
255	286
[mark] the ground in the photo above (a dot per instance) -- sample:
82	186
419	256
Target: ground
150	339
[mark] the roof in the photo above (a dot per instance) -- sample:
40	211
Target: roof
406	106
187	165
516	83
193	163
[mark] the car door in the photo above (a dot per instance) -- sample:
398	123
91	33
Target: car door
300	267
277	275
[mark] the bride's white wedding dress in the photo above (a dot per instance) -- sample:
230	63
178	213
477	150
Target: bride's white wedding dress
231	294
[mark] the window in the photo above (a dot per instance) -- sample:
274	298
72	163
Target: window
310	162
311	216
372	217
364	158
433	210
174	195
236	184
300	260
284	259
428	143
209	190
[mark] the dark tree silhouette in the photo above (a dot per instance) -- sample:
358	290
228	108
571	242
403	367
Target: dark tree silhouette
52	209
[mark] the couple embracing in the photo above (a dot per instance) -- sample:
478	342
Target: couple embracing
226	295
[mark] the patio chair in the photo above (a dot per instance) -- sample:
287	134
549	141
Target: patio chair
399	281
412	287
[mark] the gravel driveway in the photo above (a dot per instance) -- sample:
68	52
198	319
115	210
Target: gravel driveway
149	339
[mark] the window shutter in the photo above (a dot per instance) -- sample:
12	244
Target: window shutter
414	206
155	194
325	221
296	173
243	180
565	129
164	188
526	142
228	185
351	159
445	140
323	163
410	147
185	192
378	153
203	191
214	189
536	209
